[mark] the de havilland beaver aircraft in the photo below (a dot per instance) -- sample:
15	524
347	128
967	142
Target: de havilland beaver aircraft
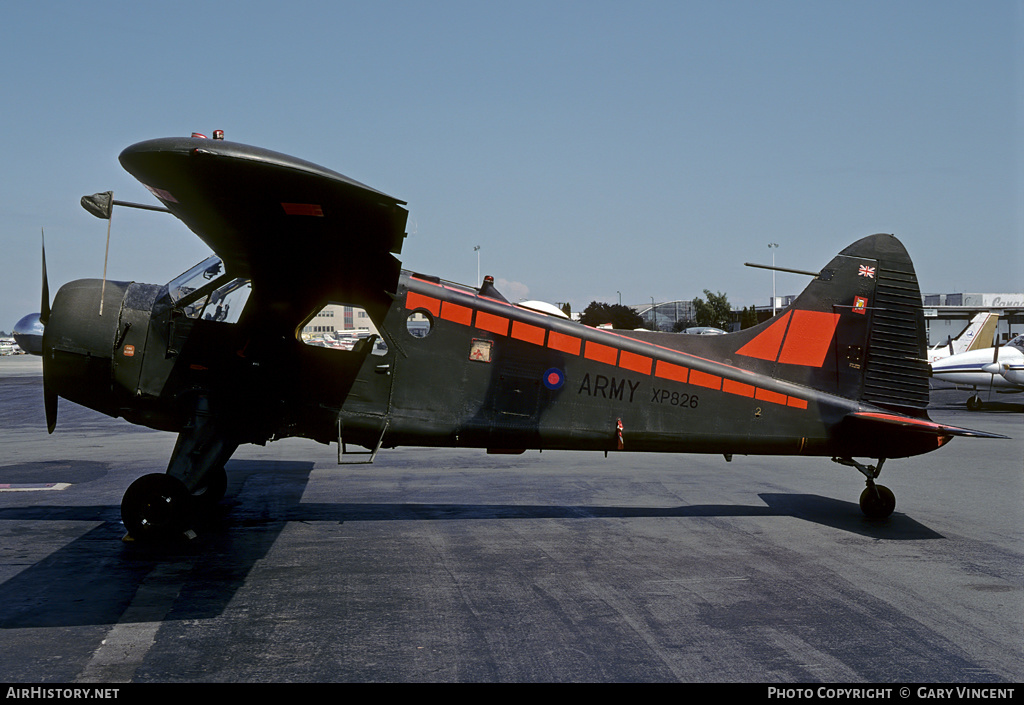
217	356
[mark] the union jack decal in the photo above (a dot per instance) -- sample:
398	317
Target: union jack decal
866	271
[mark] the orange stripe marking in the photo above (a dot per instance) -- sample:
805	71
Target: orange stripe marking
600	353
774	397
524	331
676	373
734	387
457	314
564	343
490	322
637	363
703	379
414	300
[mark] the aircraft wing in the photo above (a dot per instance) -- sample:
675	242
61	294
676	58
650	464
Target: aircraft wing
298	230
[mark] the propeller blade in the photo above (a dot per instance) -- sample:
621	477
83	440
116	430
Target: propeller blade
995	365
49	396
44	306
49	403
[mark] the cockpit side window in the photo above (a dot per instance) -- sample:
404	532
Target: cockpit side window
203	293
198	277
225	303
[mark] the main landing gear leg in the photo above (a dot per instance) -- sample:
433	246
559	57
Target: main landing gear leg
876	501
157	506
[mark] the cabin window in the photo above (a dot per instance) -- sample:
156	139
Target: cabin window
419	323
342	327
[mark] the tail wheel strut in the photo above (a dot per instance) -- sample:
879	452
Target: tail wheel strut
876	501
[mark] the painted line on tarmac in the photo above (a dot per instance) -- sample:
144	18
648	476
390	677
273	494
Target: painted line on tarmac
33	486
125	647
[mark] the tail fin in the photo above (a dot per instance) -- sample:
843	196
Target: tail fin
978	337
857	330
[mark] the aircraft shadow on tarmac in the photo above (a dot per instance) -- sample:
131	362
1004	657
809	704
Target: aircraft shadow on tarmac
814	508
94	578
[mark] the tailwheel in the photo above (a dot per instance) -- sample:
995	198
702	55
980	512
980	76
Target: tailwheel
155	507
877	501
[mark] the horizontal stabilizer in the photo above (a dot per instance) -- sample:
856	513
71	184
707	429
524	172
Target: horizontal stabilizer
883	421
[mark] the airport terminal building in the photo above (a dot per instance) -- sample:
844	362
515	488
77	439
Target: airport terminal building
945	315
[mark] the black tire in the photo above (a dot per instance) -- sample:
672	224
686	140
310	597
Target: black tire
155	507
877	502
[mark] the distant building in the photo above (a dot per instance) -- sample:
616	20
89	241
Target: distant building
945	315
334	318
666	315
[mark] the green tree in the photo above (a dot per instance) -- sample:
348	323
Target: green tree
715	312
621	317
749	318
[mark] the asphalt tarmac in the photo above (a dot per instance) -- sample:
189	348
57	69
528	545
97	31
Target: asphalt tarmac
456	566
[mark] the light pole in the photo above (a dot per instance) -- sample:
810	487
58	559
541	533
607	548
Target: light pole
773	246
620	297
477	251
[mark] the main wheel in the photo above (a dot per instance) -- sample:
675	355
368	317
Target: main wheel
974	403
155	507
877	501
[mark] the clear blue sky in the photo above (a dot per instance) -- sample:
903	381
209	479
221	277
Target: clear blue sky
589	148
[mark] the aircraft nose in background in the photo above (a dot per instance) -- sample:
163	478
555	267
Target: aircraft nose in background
28	334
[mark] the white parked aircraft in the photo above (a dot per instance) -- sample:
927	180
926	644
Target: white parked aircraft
1001	369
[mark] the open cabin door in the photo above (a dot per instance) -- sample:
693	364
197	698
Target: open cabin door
346	362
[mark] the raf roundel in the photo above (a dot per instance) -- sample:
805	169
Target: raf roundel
554	378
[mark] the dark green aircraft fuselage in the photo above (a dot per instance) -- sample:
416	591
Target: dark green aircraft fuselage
217	355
